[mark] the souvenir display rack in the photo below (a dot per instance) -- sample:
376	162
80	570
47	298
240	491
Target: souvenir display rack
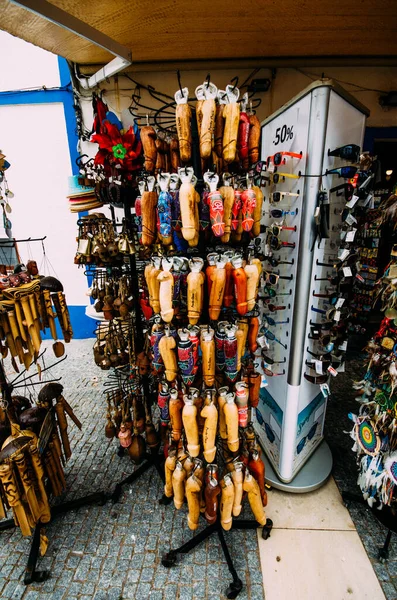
173	287
374	430
34	453
311	177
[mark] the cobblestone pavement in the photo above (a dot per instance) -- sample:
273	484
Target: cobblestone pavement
345	472
113	552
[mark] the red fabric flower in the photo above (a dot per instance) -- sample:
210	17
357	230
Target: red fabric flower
108	138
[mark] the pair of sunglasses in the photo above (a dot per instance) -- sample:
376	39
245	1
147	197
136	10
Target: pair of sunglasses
278	214
276	197
346	189
276	177
276	244
316	380
277	229
279	157
345	172
275	262
348	152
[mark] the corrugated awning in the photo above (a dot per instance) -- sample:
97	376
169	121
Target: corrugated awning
176	30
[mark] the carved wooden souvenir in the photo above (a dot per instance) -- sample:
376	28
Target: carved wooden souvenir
228	202
148	207
170	465
211	493
237	477
256	227
240	285
207	126
257	469
178	484
183	118
252	274
148	138
253	139
218	277
254	498
227	500
176	405
207	344
231	418
222	393
167	345
195	282
189	417
231	114
193	495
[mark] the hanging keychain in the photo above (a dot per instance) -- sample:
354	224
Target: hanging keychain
248	198
243	133
215	202
195	282
148	207
164	209
166	293
206	94
227	192
183	117
231	114
187	201
218	278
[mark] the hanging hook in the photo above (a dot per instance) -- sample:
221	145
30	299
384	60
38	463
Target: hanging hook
178	74
208	79
235	81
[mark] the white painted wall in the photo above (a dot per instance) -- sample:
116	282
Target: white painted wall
33	137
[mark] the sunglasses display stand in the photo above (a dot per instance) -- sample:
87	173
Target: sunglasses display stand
290	416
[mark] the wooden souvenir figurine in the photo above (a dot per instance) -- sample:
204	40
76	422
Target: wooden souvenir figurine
195	282
227	500
189	418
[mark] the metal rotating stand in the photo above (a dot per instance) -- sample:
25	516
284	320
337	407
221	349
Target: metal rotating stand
169	559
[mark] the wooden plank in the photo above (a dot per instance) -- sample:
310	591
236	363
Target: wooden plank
215	29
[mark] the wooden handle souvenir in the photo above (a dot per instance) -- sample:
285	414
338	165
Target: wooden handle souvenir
228	201
50	314
252	274
187	201
211	258
69	411
242	395
228	295
178	485
207	344
154	288
221	404
13	497
237	477
199	116
254	389
256	228
28	486
253	139
175	158
39	472
148	139
160	159
169	467
211	494
242	334
195	240
8	335
231	114
183	117
195	283
227	500
36	339
167	346
231	419
253	334
63	429
219	126
254	498
207	127
189	418
148	208
193	495
243	136
166	294
210	414
15	334
21	323
218	277
240	286
257	469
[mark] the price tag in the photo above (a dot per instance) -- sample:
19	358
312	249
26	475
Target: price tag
350	219
343	346
337	315
325	390
360	278
343	253
332	371
262	341
350	235
339	303
347	272
352	202
319	367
